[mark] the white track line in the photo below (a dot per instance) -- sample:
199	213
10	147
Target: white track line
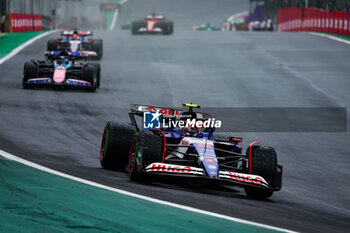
45	169
114	21
115	16
22	46
330	37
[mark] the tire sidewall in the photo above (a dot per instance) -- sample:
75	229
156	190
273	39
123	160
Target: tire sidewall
97	46
52	45
116	143
29	71
148	144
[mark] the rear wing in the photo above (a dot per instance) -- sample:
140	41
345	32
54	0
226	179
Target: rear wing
75	55
139	109
80	33
166	112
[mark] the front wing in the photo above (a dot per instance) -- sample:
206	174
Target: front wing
48	81
236	178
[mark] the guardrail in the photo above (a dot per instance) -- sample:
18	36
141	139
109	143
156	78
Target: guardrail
293	19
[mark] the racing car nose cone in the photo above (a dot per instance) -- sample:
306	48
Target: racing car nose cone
59	75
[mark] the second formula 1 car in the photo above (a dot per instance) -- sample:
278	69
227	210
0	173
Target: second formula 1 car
205	27
62	69
152	24
164	152
77	41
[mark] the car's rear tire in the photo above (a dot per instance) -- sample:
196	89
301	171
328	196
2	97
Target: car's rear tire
97	46
147	148
171	28
52	45
222	137
115	146
263	163
167	28
134	28
30	71
90	75
98	74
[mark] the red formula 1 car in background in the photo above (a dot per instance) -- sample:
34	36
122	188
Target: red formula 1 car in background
152	24
166	153
77	41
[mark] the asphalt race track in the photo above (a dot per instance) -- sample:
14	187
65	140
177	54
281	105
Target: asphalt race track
62	129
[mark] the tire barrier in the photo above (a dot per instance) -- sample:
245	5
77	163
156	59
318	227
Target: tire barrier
25	22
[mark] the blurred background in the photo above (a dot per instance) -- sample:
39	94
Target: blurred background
100	14
62	13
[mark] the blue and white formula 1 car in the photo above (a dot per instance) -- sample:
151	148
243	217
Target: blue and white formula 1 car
77	41
62	69
188	153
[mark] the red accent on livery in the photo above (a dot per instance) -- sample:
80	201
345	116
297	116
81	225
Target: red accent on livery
150	25
151	22
235	139
188	170
250	156
58	43
170	168
90	43
244	178
163	111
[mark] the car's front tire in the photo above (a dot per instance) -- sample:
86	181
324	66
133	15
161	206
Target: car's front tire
171	27
97	46
90	75
30	70
263	163
148	147
98	74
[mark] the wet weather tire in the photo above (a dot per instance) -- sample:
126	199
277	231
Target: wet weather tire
171	27
115	146
152	146
90	75
29	71
52	45
263	163
97	46
134	28
149	149
98	74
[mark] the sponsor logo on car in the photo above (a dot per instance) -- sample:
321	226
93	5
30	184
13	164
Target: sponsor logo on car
169	118
151	120
193	123
170	168
254	179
